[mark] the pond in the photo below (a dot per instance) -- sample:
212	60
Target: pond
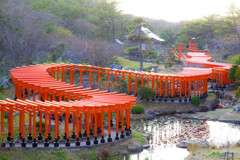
167	131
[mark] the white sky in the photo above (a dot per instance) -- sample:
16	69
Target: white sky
175	10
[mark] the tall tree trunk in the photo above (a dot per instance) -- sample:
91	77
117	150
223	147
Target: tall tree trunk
108	30
113	31
141	57
140	48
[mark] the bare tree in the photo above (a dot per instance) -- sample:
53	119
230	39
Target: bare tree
94	52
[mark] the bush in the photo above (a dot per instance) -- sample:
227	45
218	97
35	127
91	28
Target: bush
226	55
232	72
237	94
140	81
5	115
148	70
157	60
150	54
137	109
168	64
178	61
120	86
195	101
43	125
2	88
237	60
134	48
237	75
146	93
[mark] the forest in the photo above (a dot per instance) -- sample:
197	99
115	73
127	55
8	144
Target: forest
84	31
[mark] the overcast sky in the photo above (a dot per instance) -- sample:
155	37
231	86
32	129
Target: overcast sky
175	10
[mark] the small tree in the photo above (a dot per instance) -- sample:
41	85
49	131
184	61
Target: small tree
139	38
146	93
237	60
120	86
195	101
237	75
232	72
237	94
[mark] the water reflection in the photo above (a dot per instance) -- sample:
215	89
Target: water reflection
166	132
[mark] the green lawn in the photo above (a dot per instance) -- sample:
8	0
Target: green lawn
139	136
132	64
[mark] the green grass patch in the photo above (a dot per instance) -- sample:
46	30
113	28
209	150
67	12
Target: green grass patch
139	136
212	95
215	154
132	64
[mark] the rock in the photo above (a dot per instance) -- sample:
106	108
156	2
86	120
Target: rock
234	100
227	96
170	112
188	142
4	83
215	104
211	91
124	153
115	66
181	145
146	146
231	87
229	106
237	109
179	112
157	113
148	117
203	143
135	149
194	110
235	121
220	94
204	108
152	112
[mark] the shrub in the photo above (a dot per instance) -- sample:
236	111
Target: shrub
237	75
195	101
4	158
157	60
152	54
137	109
178	61
140	81
237	60
148	70
134	48
149	54
226	55
2	88
232	72
5	115
43	125
146	93
120	86
237	94
168	64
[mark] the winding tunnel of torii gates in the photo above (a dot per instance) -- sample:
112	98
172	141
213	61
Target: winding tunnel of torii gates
87	107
